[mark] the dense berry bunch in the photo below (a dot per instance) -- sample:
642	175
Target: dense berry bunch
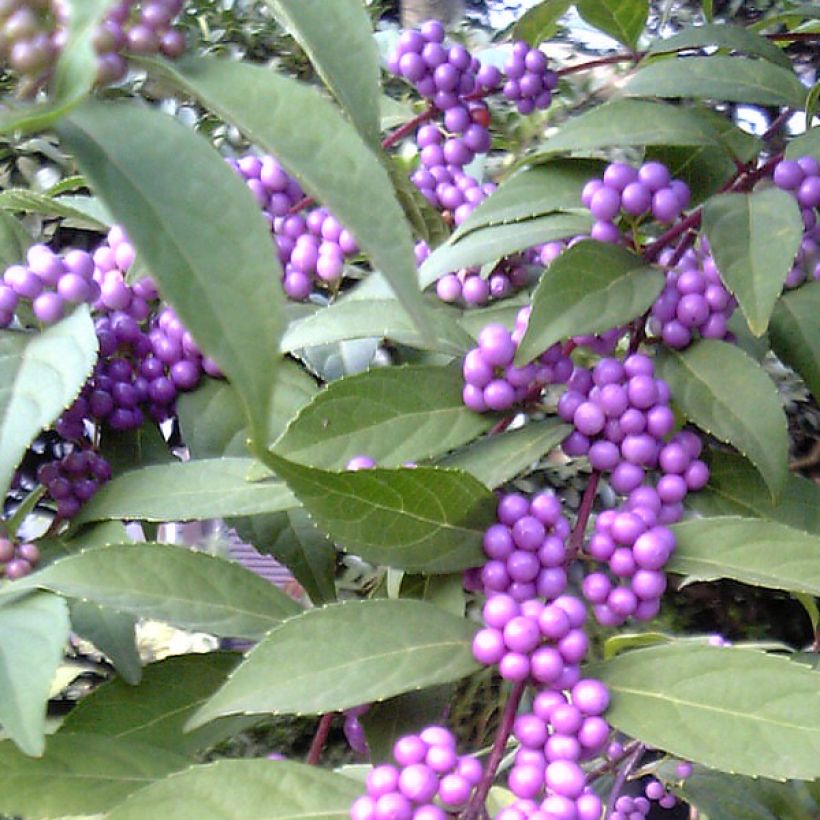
276	192
493	382
17	559
34	32
530	82
632	194
801	178
429	779
694	301
470	288
73	479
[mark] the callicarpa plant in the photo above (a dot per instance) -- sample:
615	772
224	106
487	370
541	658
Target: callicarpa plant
438	316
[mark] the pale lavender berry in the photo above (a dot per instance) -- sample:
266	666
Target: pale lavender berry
565	778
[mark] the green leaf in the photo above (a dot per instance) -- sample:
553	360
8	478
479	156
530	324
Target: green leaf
622	19
727	394
338	39
806	144
129	449
795	333
14	240
392	414
733	79
493	242
809	603
616	644
358	318
497	459
325	153
112	633
240	789
445	591
81	774
23	200
189	589
761	553
74	75
295	541
343	655
723	796
40	375
33	635
736	488
589	288
535	191
155	712
193	490
211	256
435	518
708	9
539	23
723	35
754	238
213	424
422	216
385	722
743	711
623	123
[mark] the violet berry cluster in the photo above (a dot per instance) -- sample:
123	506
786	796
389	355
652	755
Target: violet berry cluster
73	479
694	302
428	781
33	33
633	194
493	382
530	82
469	288
17	559
801	178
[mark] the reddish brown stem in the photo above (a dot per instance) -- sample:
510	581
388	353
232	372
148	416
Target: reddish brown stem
629	766
576	538
319	739
601	770
407	128
615	58
475	808
795	36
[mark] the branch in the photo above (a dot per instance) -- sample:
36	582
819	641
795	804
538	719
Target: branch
615	58
621	778
319	739
576	538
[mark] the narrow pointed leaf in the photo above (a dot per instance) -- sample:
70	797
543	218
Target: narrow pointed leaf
536	191
493	242
211	255
425	220
734	79
338	39
795	333
185	491
498	459
623	123
40	375
731	709
622	19
761	553
342	655
189	589
806	143
539	23
728	395
325	153
156	711
392	414
22	200
14	240
112	632
736	488
33	636
81	774
724	35
589	288
376	318
754	238
240	789
422	519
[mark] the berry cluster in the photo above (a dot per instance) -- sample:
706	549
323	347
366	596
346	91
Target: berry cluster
17	559
430	780
471	289
634	194
73	479
801	178
493	382
34	32
530	82
693	302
